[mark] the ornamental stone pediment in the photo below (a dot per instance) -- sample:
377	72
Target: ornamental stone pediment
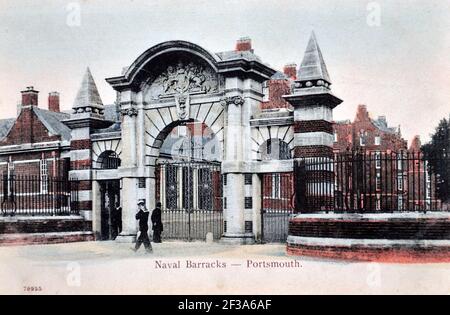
182	77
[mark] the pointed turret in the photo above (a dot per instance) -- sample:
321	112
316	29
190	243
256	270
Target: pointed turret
88	99
88	108
313	81
313	66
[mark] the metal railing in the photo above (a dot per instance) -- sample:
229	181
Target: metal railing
191	197
359	181
276	208
33	195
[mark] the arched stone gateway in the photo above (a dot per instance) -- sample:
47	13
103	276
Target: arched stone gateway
178	82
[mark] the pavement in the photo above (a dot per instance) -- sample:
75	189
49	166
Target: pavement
201	268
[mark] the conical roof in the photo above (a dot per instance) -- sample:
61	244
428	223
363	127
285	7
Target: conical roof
88	95
313	66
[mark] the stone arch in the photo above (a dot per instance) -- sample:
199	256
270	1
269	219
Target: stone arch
159	122
101	148
262	134
274	149
142	66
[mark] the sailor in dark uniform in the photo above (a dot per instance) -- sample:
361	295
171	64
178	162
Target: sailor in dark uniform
142	215
157	223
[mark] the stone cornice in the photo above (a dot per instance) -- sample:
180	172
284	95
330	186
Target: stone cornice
313	99
87	122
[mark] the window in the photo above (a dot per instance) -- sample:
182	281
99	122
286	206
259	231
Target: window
378	182
44	176
400	182
377	160
109	160
265	91
399	163
335	136
276	186
10	175
377	140
362	138
400	202
275	149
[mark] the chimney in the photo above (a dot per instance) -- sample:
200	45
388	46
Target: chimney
30	97
361	113
244	44
290	70
53	102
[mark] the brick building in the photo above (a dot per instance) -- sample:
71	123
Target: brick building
213	137
367	133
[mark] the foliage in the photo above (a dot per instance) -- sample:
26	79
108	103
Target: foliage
437	151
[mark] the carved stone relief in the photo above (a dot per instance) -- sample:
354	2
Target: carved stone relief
183	77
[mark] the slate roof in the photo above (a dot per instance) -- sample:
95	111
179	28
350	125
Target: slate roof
53	122
313	66
232	54
381	124
279	76
5	126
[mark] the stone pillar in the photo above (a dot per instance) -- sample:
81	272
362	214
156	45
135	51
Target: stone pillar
88	113
234	186
257	202
80	168
313	150
96	210
128	170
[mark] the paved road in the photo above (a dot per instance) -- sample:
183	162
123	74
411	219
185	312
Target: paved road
200	268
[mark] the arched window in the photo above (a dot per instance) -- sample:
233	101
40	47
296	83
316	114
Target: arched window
275	149
109	160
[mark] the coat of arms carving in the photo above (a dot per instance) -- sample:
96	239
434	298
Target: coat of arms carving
184	78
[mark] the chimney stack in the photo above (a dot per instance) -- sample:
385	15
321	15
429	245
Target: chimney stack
244	44
53	102
30	97
290	70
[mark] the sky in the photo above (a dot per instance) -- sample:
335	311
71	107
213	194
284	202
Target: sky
393	56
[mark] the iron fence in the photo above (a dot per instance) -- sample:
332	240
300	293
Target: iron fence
277	191
34	195
191	197
359	181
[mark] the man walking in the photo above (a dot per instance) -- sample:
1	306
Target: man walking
157	223
142	216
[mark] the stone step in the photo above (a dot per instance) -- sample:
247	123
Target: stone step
45	238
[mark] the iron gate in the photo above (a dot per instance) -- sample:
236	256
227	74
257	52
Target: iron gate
278	190
191	198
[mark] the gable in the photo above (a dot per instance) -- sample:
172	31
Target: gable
28	128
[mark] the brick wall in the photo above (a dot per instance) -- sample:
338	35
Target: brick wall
28	129
276	89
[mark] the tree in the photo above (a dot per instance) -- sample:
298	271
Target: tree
437	152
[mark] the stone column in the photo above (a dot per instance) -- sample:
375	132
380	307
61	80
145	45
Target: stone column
128	170
234	187
257	202
313	146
